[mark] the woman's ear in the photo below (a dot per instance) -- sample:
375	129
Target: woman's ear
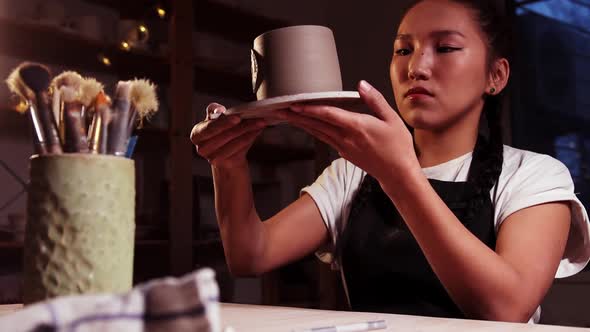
498	76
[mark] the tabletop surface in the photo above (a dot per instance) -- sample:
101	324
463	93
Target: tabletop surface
246	318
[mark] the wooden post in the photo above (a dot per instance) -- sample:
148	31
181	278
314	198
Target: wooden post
181	120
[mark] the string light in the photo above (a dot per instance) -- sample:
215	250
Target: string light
161	12
125	46
141	34
104	60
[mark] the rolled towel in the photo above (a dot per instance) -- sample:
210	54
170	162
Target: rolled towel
189	303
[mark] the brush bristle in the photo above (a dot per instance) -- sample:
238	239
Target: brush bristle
67	78
68	94
144	98
35	76
89	89
17	87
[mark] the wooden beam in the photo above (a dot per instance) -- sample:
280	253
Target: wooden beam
181	118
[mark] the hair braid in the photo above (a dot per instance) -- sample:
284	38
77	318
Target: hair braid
490	154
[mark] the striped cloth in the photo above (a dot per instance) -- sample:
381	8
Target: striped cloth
189	303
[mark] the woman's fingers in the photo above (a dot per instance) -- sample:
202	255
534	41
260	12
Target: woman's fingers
207	129
208	147
335	116
214	111
236	147
220	137
305	122
377	102
317	128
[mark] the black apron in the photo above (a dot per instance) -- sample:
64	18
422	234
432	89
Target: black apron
383	266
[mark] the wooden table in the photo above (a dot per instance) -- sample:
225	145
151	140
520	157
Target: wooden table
246	318
255	318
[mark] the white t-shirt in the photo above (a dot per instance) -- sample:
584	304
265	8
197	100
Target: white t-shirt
527	179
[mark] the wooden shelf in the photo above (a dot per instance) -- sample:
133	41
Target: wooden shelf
52	45
210	16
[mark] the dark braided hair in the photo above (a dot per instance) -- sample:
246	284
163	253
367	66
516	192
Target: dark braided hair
489	151
492	22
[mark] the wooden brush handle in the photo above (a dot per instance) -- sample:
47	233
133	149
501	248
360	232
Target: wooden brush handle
75	133
97	135
48	123
118	137
39	135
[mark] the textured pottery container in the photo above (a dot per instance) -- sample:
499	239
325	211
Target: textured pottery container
80	226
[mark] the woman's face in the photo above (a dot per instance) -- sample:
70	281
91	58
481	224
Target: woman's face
439	68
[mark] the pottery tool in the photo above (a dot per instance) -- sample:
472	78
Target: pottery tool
356	327
98	132
75	139
25	103
119	122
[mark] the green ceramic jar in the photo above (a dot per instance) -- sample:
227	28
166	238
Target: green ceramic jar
80	226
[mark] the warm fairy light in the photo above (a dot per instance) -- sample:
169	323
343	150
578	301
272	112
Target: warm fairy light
161	12
142	28
125	46
105	61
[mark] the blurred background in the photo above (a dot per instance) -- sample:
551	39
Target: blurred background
198	52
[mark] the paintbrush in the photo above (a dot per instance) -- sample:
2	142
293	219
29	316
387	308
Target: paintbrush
118	126
144	102
37	78
89	89
67	78
97	134
75	139
26	97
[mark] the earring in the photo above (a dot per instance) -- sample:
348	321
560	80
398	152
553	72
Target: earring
492	90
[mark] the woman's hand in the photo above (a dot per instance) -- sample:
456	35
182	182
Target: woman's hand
381	144
225	140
